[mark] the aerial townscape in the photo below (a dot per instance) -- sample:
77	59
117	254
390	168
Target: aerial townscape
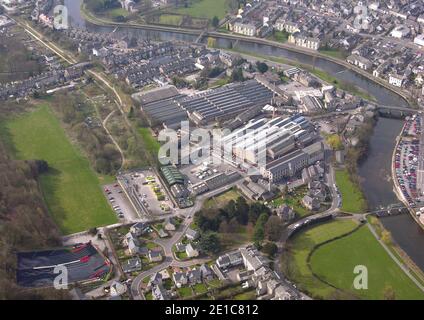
212	149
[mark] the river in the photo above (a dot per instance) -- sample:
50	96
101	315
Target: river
375	171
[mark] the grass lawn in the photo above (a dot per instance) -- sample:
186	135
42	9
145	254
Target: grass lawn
116	12
205	9
352	198
294	201
333	53
185	292
152	145
233	240
171	19
215	283
280	36
248	295
300	247
361	248
71	188
200	288
221	200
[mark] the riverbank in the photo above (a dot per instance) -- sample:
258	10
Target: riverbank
325	76
397	188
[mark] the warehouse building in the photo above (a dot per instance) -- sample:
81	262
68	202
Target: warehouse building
161	107
226	102
293	163
263	138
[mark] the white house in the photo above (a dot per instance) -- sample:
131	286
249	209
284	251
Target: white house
419	40
191	252
396	80
400	32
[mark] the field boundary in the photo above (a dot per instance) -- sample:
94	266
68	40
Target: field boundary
319	245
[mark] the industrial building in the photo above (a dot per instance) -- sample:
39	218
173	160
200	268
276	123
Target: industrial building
166	106
226	102
278	148
161	106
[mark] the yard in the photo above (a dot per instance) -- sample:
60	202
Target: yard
221	200
205	9
352	198
294	201
71	188
382	270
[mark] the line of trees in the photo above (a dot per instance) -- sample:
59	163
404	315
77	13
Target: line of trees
239	213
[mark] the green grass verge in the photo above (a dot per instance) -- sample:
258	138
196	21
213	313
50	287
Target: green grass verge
152	145
352	198
350	88
185	292
71	188
335	262
171	19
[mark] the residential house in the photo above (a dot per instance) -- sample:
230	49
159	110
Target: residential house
155	279
192	234
194	276
132	265
206	272
155	256
285	213
159	293
138	229
191	252
180	279
117	289
170	225
311	203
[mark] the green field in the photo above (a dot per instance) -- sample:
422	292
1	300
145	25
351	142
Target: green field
300	247
335	262
205	9
71	188
171	19
352	198
222	200
152	145
333	53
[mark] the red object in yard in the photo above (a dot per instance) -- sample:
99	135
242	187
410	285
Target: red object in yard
85	259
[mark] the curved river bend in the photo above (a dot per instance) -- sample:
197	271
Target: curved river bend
375	171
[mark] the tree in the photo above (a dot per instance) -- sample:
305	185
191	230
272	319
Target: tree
386	237
215	21
273	228
211	42
209	242
259	233
389	293
237	75
261	66
335	142
270	248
